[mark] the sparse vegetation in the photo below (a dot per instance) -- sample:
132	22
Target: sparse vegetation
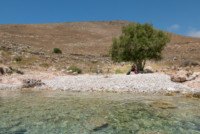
44	65
1	70
57	50
18	58
11	68
118	71
189	62
83	47
94	61
27	62
100	71
75	69
19	72
106	55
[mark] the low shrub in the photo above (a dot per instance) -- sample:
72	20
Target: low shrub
9	72
11	68
1	70
57	50
19	72
118	71
75	69
106	55
94	61
97	71
18	59
188	62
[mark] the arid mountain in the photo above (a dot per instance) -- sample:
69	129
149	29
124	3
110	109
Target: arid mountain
88	38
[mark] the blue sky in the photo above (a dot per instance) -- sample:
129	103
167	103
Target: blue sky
177	16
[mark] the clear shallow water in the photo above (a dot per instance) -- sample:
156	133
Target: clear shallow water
93	113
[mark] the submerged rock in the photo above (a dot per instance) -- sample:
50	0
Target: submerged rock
197	95
95	123
151	132
163	105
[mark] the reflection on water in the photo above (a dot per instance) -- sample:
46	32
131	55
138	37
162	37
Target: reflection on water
88	113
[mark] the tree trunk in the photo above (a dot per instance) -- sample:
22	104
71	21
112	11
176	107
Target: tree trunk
140	65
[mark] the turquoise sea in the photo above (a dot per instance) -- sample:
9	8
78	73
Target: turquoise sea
53	112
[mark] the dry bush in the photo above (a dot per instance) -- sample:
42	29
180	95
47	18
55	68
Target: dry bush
189	62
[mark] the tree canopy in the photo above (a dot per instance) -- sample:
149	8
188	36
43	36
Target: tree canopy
138	43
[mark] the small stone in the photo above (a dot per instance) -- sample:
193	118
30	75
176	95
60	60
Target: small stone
163	105
105	76
74	73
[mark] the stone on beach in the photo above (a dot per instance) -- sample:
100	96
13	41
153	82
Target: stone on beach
148	68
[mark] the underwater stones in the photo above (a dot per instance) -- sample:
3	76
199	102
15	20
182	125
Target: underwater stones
151	132
95	123
196	95
163	105
170	94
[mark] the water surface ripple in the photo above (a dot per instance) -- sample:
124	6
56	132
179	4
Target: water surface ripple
93	113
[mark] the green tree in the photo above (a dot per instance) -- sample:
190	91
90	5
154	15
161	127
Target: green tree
138	43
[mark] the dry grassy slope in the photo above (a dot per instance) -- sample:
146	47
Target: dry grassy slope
92	38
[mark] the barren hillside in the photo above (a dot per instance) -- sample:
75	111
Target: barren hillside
88	38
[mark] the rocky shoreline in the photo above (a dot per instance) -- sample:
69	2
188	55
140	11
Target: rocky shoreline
140	83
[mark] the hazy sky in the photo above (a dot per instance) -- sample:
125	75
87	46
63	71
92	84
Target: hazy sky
177	16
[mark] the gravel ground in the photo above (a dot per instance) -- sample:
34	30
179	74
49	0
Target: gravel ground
8	87
121	83
124	83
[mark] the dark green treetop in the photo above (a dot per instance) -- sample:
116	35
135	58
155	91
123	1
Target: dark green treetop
138	43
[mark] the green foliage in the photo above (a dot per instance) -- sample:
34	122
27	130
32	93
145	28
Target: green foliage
11	68
18	58
19	72
139	43
75	69
118	71
188	62
57	50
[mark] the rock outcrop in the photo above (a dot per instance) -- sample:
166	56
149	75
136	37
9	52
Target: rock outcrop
148	69
182	76
5	70
29	83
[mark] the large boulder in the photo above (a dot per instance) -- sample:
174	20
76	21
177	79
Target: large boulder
180	76
148	68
